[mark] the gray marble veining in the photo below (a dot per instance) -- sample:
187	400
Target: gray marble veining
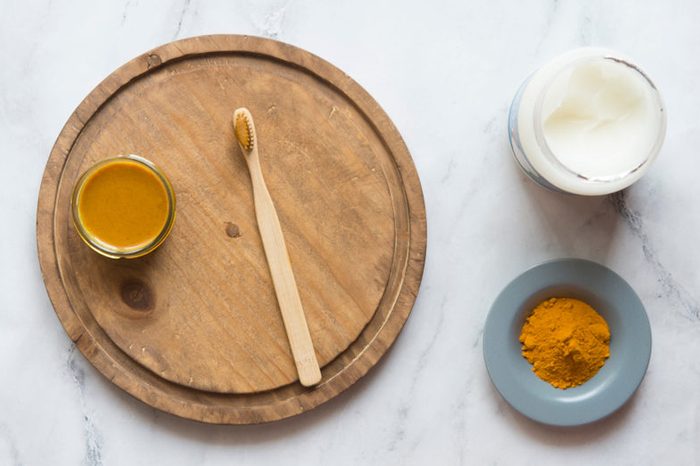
445	72
670	289
93	437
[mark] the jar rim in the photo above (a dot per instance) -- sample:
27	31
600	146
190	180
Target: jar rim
104	248
551	157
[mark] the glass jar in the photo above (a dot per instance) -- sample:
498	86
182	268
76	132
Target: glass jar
589	122
123	207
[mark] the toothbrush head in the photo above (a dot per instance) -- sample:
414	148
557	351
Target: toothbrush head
243	128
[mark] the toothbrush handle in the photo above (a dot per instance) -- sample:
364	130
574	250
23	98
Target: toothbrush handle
283	278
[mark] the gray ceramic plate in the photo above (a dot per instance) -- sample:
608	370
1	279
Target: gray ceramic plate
617	380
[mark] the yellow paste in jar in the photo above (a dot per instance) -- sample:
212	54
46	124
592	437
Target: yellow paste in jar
123	204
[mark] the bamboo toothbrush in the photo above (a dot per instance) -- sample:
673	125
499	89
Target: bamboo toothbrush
277	256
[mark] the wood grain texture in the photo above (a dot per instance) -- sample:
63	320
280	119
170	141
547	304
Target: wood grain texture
278	262
194	328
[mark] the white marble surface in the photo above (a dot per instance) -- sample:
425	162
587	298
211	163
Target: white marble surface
445	73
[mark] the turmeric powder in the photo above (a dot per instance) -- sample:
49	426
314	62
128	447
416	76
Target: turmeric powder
566	341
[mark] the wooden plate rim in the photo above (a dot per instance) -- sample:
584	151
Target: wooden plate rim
114	367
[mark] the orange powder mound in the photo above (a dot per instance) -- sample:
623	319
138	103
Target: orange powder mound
566	341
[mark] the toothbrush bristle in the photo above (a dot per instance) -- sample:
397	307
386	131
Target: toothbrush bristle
244	131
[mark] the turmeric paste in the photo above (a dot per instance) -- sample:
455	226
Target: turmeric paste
566	341
123	204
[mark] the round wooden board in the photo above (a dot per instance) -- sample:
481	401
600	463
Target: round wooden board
194	329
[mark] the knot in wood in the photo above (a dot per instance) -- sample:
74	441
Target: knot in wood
137	295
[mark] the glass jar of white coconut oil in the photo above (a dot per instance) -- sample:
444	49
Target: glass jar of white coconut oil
589	122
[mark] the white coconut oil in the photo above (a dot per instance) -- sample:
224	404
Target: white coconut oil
589	122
